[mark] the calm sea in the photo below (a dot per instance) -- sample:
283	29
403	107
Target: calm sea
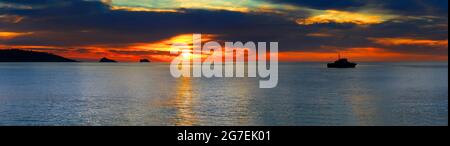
146	94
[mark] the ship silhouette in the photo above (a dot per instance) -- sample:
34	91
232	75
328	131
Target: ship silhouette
342	63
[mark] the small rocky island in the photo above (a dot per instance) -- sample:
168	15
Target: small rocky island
18	55
144	61
107	60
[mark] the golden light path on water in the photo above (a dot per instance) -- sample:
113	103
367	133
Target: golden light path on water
184	103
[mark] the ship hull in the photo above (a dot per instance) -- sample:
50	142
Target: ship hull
332	65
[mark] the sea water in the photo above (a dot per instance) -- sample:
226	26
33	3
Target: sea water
308	94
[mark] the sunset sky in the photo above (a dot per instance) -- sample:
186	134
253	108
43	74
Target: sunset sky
307	30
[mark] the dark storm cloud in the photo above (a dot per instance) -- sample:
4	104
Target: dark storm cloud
324	4
417	7
407	7
73	23
84	23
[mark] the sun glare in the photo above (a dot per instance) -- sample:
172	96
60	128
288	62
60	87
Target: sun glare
187	56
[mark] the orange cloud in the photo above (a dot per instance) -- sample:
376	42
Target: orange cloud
142	9
359	54
408	41
319	35
335	16
4	35
156	51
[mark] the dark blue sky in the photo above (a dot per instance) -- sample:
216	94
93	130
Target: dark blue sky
415	27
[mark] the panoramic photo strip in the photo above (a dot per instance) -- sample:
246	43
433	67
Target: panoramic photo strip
223	71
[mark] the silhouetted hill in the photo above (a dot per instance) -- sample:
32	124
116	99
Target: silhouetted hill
104	59
17	55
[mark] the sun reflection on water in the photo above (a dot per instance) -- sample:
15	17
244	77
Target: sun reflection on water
184	103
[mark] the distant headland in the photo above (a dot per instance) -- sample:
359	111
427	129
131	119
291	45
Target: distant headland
17	55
